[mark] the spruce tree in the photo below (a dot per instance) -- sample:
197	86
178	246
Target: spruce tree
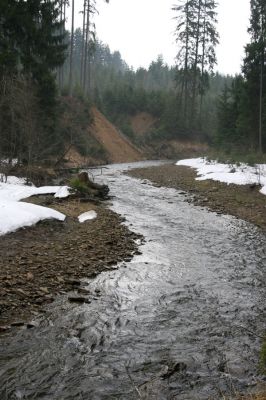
252	118
32	42
196	38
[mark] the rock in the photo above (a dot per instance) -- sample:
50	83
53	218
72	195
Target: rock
83	291
76	299
21	291
73	282
179	367
30	276
44	290
18	323
31	325
4	329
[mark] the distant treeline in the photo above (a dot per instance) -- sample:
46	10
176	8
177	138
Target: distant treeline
41	64
119	91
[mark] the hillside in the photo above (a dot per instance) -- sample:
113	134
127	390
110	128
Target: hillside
94	139
117	146
144	127
142	123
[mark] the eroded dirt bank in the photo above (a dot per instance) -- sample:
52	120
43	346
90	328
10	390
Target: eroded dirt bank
39	262
243	202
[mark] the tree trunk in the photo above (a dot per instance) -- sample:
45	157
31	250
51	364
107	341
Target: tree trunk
71	52
83	44
86	48
186	68
202	63
62	30
194	83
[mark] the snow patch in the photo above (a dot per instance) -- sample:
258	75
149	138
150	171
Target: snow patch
239	175
62	192
87	216
15	214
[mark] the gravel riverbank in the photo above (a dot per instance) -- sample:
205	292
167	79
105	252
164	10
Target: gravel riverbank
242	201
39	262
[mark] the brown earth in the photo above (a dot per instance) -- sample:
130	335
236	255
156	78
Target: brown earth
114	147
174	149
74	159
142	123
242	201
261	396
42	261
119	148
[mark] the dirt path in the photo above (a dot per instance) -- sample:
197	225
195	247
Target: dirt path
242	201
118	147
39	262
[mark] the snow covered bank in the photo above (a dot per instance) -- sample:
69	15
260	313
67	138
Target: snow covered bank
228	173
15	214
87	216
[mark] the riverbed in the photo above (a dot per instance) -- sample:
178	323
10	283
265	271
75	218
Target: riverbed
182	320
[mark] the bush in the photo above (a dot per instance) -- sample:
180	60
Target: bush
79	186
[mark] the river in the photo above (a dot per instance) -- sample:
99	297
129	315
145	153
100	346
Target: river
182	320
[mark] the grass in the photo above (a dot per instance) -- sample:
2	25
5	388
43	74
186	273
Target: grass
251	158
78	185
263	357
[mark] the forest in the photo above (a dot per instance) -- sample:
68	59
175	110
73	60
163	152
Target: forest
50	77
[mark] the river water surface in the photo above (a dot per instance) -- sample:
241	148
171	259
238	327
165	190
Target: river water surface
182	320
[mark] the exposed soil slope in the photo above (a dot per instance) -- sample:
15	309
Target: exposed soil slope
142	123
119	148
74	159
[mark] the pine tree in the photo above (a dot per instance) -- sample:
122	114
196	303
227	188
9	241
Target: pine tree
253	114
209	39
196	37
71	50
184	38
32	42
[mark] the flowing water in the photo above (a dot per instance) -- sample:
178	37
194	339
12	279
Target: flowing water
180	321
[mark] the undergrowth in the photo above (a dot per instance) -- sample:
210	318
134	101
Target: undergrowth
237	158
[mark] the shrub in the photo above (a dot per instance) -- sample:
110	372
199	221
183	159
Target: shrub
79	186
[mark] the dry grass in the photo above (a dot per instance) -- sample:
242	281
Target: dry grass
261	396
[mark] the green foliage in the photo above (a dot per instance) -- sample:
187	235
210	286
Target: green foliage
239	106
32	43
120	93
235	156
196	38
263	357
31	48
78	186
73	128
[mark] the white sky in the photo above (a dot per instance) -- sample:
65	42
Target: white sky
143	29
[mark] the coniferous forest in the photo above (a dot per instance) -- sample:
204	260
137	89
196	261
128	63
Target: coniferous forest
48	72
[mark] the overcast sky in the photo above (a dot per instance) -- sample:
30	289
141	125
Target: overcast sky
143	29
